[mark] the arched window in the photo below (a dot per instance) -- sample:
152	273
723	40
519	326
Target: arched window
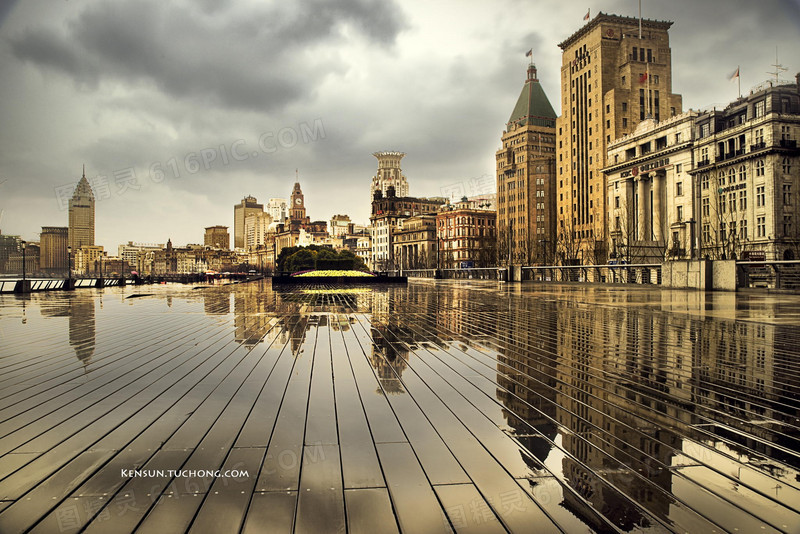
742	173
721	178
732	176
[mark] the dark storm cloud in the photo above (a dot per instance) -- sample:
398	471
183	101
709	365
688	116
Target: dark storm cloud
246	57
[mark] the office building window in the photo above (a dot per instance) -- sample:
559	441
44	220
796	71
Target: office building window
760	108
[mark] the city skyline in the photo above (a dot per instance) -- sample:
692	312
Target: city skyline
365	78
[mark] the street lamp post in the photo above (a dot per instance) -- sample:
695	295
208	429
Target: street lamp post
69	267
23	263
22	286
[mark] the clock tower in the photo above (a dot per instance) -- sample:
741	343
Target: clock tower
297	210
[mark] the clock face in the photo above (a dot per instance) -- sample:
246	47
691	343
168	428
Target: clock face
298	201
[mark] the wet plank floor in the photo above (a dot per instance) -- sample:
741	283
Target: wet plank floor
449	406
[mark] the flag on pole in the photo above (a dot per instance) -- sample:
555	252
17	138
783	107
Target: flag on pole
586	17
529	53
734	74
643	77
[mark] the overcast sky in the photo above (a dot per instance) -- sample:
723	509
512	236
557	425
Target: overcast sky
244	92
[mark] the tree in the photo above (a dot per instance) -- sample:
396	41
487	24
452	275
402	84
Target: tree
301	260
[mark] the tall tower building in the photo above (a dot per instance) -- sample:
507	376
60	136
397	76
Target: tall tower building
248	206
81	215
389	175
615	72
526	188
297	208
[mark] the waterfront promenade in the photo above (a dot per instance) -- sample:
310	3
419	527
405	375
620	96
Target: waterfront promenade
466	406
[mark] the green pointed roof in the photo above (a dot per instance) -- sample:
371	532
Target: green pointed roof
532	105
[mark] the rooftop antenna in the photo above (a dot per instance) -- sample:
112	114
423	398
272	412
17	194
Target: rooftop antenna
778	68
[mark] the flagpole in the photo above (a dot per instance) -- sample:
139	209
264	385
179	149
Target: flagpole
640	19
739	79
649	95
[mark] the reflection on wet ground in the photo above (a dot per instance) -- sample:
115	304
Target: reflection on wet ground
441	406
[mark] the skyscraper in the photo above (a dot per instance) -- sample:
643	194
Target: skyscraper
389	175
81	215
615	72
248	206
526	188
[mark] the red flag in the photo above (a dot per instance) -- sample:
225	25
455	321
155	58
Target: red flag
735	74
529	53
643	78
587	14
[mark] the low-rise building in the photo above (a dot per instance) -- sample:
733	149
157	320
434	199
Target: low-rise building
415	244
467	235
29	257
9	244
88	260
364	249
387	212
131	253
339	225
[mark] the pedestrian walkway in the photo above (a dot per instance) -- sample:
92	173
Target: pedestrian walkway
466	406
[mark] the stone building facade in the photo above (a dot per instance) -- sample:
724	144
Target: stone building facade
615	72
650	196
217	236
526	188
467	236
415	244
53	242
747	176
387	212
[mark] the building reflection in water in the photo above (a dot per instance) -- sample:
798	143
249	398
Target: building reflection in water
217	302
650	406
79	309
